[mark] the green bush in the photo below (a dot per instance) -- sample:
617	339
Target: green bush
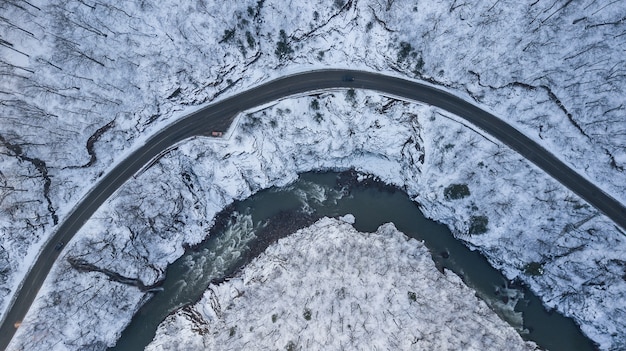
283	49
250	39
228	35
533	268
405	50
315	104
307	314
318	117
456	191
407	54
291	346
351	96
419	65
478	225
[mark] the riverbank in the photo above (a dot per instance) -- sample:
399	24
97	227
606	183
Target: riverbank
247	227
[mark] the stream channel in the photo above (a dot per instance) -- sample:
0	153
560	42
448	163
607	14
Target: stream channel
245	229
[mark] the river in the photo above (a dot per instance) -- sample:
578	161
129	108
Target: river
246	228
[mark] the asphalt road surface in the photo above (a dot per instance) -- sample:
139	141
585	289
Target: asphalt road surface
219	116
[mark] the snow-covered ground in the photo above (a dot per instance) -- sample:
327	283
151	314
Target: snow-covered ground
149	220
106	75
330	287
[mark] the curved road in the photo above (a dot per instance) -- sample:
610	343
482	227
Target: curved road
219	116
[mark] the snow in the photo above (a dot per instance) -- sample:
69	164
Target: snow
330	287
554	72
348	219
151	218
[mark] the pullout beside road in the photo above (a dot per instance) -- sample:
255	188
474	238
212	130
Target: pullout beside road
219	116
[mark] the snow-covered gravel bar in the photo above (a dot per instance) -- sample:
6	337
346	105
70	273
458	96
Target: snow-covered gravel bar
329	287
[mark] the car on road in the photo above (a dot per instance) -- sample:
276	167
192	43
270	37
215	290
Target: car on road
347	78
59	246
216	134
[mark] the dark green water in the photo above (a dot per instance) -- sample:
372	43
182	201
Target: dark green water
253	224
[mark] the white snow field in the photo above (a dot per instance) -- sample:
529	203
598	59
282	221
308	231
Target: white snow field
329	287
84	82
